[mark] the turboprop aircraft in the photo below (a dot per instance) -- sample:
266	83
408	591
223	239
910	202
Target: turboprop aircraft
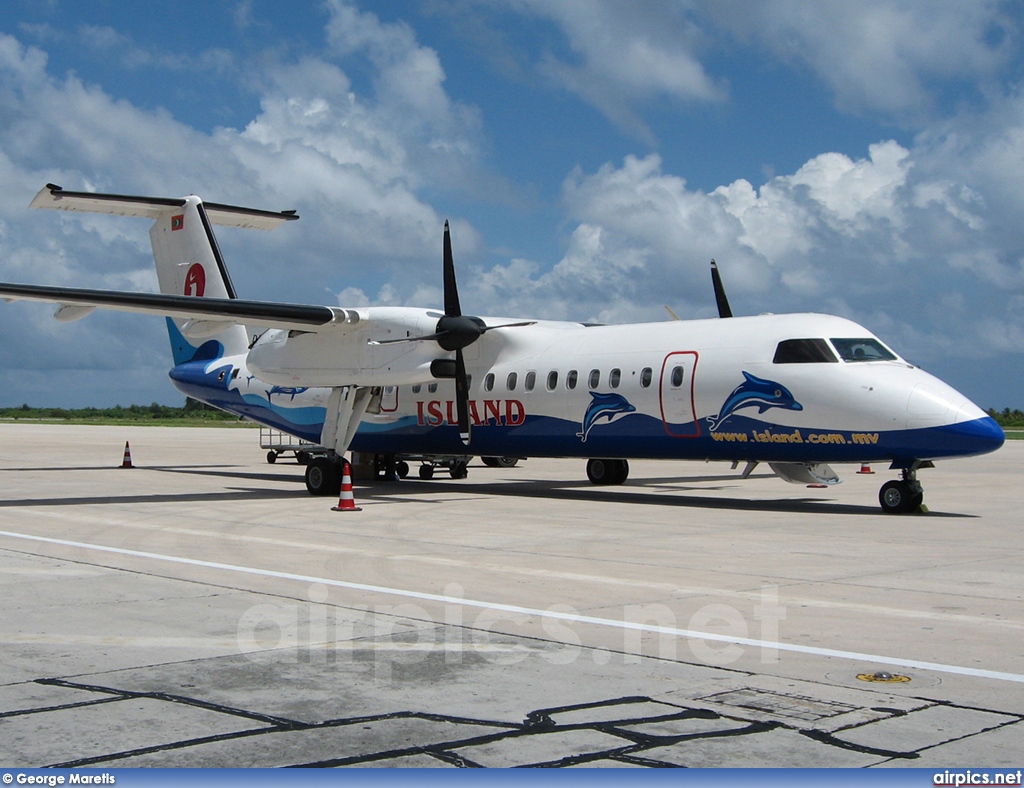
795	391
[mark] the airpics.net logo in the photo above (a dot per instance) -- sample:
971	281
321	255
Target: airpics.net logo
392	636
957	778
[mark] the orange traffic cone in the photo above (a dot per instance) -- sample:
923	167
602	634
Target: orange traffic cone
347	501
127	461
865	468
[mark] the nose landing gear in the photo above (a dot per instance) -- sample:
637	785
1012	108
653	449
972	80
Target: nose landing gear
903	496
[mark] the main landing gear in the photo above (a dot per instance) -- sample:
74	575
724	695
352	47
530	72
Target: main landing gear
903	496
607	471
323	476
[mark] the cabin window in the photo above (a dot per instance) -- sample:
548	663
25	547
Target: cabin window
646	375
677	377
432	388
416	388
511	380
469	382
531	380
571	378
862	350
803	351
614	377
552	380
595	378
489	381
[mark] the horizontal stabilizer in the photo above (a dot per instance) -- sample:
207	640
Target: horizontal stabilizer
805	473
202	310
55	197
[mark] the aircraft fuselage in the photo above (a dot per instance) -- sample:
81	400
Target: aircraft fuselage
708	389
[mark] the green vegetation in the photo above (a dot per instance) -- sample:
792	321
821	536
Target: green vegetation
194	413
1007	417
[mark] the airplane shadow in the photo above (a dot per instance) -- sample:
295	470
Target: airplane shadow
585	491
230	494
655	491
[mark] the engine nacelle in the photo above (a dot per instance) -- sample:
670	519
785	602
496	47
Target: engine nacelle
348	354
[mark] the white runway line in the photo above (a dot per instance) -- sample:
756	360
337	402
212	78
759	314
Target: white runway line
550	614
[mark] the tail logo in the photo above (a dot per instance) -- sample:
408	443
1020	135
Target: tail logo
603	406
177	222
195	281
754	392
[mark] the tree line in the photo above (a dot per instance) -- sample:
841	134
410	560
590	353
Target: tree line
192	410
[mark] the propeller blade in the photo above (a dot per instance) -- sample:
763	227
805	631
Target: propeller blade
451	290
462	397
722	301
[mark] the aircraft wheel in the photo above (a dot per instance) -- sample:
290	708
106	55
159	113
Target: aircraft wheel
607	471
458	470
899	497
402	469
500	462
323	477
426	472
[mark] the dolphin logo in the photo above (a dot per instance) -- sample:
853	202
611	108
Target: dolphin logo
285	390
754	392
603	406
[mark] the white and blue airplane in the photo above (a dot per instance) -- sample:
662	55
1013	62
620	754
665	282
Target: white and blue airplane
796	391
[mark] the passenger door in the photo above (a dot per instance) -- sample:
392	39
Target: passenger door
677	394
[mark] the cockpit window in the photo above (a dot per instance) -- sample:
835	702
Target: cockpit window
804	351
862	350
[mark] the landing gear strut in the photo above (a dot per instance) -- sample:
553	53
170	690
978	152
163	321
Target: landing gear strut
607	471
903	496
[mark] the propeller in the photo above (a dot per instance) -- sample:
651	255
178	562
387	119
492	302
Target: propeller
723	302
453	332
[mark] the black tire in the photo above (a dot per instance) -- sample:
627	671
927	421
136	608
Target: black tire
899	497
271	457
402	469
605	472
500	462
323	477
458	470
302	457
426	472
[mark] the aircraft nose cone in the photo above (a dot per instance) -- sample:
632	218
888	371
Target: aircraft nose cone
980	435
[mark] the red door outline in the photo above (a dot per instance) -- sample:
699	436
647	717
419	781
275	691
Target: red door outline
676	429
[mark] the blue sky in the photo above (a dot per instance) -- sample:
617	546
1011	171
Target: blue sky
863	159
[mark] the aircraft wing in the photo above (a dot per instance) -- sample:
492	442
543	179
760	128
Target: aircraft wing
212	312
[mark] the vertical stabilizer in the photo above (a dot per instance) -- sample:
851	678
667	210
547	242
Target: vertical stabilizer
189	262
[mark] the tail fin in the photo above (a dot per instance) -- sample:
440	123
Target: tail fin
188	262
188	259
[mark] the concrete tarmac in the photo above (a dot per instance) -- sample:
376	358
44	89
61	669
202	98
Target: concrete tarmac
201	609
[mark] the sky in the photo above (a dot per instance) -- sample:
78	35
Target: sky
863	159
